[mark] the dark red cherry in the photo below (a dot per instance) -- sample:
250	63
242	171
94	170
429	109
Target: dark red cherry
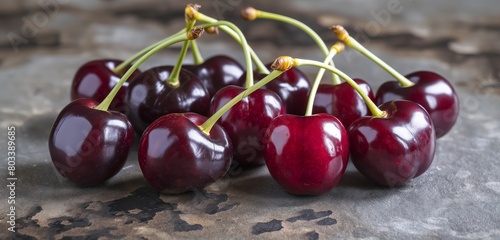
342	101
95	79
306	155
175	156
292	86
247	121
217	72
432	91
394	149
150	97
89	146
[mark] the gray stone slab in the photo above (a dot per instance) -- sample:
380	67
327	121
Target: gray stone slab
457	198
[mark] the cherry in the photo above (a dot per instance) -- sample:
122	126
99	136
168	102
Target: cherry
342	101
176	156
218	72
95	79
430	90
246	122
88	146
393	149
306	155
292	87
150	96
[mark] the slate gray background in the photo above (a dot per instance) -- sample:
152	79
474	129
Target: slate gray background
458	197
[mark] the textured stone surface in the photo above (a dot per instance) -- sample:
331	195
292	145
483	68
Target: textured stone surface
458	197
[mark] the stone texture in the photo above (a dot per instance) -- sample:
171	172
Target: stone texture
458	197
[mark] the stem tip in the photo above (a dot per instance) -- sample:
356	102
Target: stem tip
249	13
340	32
283	63
195	33
212	30
338	47
191	11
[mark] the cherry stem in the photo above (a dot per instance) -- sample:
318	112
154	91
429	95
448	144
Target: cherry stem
104	105
343	36
198	58
376	112
209	123
335	49
173	79
261	68
251	14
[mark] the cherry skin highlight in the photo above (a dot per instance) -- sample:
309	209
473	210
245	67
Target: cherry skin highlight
150	97
89	146
292	86
217	72
175	156
95	79
342	101
390	151
432	91
247	121
306	155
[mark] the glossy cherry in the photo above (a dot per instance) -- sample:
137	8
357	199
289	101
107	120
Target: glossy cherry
247	121
95	79
217	72
306	155
432	91
394	149
89	146
175	156
150	96
342	101
292	87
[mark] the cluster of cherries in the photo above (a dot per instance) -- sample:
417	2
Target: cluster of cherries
197	120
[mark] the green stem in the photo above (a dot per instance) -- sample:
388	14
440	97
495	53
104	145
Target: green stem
104	105
261	68
198	58
173	79
304	28
314	89
351	42
246	50
209	123
121	67
376	112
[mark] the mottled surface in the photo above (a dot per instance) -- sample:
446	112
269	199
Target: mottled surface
459	196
